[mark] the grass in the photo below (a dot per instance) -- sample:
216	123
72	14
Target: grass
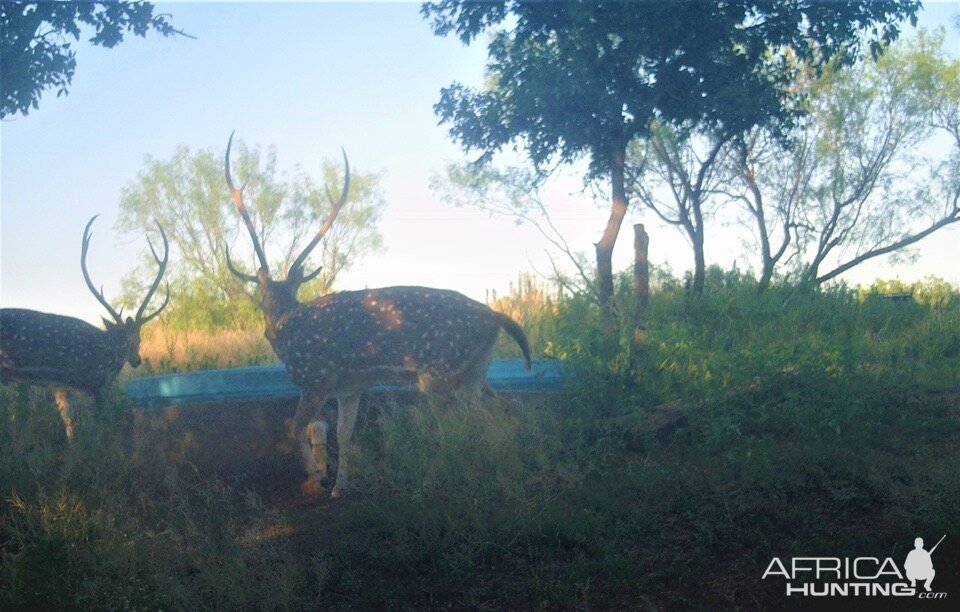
87	526
827	427
165	349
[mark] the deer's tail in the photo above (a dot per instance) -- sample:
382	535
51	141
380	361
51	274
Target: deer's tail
516	332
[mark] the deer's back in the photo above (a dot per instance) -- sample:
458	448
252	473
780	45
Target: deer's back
409	328
53	349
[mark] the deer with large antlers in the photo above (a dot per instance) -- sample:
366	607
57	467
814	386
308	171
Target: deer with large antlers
341	344
67	353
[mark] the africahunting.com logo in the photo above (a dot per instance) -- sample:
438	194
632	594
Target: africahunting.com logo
859	576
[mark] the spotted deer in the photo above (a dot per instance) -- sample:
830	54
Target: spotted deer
341	344
67	353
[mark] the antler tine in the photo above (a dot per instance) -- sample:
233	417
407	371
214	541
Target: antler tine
335	207
155	313
156	282
233	270
237	195
312	275
85	246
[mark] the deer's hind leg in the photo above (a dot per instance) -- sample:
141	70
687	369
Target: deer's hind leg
473	377
346	420
62	398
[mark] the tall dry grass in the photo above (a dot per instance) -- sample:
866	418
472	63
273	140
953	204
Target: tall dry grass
173	350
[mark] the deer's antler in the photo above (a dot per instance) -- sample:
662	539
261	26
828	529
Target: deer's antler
335	206
85	246
237	195
156	283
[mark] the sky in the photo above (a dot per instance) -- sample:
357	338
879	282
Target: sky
306	78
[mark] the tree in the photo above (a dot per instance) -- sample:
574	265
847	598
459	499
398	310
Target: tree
676	175
568	79
872	169
188	196
759	159
36	48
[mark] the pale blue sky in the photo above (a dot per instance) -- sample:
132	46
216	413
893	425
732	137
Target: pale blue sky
306	78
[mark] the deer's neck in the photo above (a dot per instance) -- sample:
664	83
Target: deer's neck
278	301
114	347
276	320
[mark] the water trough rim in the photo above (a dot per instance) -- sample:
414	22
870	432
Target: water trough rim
249	383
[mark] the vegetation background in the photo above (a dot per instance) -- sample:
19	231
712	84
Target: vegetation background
801	424
780	416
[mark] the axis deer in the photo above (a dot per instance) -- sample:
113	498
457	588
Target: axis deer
67	353
341	344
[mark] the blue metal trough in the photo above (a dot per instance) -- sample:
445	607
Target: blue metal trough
271	381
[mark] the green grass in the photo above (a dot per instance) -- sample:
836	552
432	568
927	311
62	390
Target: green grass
829	426
89	526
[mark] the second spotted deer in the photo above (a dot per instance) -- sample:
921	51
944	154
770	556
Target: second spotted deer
66	353
342	344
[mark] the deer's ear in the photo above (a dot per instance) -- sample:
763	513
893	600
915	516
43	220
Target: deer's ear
107	323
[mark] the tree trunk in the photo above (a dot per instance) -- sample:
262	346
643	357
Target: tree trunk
765	276
767	261
699	261
618	211
641	290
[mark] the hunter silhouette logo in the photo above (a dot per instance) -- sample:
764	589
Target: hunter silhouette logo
919	564
859	576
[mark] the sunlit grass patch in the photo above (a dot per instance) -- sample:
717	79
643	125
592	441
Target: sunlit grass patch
174	350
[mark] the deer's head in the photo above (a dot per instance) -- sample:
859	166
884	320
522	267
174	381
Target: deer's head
279	297
124	333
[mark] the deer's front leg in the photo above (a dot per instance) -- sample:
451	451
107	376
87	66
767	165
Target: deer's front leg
311	435
346	419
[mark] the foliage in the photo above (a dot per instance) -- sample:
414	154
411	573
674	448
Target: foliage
573	79
575	76
870	171
692	347
808	421
932	292
188	196
36	46
723	342
199	306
